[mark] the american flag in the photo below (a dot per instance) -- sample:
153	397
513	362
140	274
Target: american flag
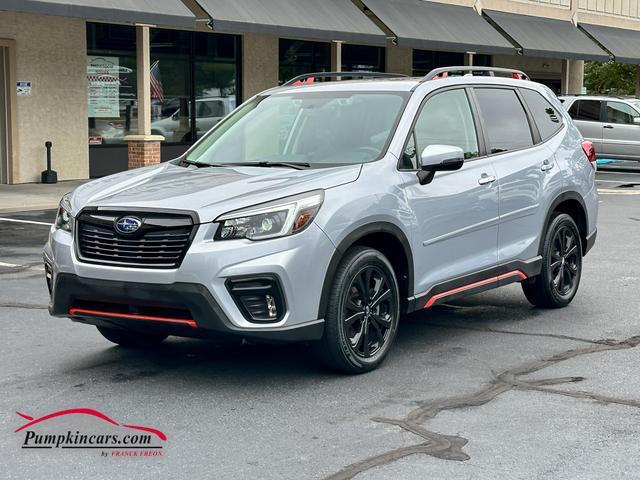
156	83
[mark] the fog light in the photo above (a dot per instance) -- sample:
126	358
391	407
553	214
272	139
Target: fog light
271	306
259	298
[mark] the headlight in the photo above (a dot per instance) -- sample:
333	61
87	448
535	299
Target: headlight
64	220
270	220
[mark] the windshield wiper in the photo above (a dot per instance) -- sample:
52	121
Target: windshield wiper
294	165
197	164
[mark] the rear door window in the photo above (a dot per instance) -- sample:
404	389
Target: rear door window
618	112
504	119
548	120
586	110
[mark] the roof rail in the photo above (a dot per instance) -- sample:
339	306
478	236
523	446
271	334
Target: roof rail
445	72
309	78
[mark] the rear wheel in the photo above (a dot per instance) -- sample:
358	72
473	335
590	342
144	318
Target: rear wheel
363	313
128	338
559	279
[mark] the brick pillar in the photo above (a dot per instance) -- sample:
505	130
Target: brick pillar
143	150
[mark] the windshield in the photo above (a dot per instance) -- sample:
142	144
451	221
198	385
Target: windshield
305	127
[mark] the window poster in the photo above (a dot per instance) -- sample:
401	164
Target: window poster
103	84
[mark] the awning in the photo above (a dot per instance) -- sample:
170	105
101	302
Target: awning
547	37
623	44
313	19
429	25
155	12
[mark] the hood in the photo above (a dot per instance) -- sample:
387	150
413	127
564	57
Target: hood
209	191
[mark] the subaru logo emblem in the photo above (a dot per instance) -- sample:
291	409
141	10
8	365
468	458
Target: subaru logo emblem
128	224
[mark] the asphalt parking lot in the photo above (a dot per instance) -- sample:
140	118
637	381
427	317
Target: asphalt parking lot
486	387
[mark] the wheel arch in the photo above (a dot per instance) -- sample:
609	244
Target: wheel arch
572	204
385	237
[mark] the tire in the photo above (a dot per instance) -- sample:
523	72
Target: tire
360	328
130	339
557	283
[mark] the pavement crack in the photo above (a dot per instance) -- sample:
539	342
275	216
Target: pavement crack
23	305
526	334
603	399
449	447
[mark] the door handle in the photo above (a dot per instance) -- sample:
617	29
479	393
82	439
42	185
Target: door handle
485	179
607	126
547	165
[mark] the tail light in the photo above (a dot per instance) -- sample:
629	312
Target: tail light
590	151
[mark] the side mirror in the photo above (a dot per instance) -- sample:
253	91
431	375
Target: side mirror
439	158
636	120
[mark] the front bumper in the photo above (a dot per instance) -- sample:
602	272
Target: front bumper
187	309
198	290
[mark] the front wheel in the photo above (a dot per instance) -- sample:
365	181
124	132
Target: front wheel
558	281
127	338
362	314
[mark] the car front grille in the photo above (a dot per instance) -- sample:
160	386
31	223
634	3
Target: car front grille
161	242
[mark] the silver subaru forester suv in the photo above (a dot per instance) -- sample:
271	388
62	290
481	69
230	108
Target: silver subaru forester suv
322	211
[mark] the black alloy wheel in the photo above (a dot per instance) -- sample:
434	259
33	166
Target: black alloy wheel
565	261
362	314
368	310
558	281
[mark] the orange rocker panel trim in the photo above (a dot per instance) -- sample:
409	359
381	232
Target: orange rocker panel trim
480	283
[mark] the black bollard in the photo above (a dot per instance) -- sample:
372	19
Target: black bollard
49	176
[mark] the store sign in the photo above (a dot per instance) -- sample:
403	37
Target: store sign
103	83
95	140
23	88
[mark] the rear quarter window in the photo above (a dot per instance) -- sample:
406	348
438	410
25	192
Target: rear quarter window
548	120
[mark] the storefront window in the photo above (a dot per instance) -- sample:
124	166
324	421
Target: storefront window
215	79
426	60
362	58
193	82
298	57
111	83
171	85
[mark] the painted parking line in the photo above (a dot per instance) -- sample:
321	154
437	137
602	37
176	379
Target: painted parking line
615	181
10	265
618	173
615	191
16	220
15	265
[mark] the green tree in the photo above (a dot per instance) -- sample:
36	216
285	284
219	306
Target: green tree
610	78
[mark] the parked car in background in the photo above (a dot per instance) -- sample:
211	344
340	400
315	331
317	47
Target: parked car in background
209	111
612	124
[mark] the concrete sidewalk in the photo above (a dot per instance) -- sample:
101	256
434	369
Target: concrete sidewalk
34	196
